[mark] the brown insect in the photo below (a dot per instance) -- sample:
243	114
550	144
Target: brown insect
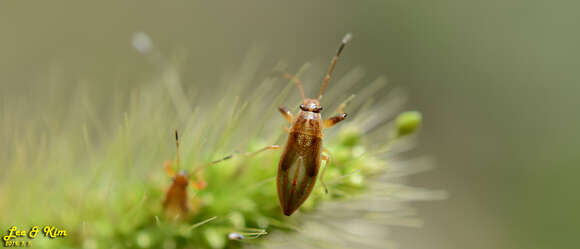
176	203
301	158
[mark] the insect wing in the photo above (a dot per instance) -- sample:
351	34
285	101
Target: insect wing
297	171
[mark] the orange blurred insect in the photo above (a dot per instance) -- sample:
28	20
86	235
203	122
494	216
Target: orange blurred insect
175	203
301	158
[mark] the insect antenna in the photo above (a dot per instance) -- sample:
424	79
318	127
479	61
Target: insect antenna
203	166
345	40
177	147
297	81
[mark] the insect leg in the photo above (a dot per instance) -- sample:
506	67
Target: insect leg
200	183
168	169
271	147
286	113
326	159
199	168
334	120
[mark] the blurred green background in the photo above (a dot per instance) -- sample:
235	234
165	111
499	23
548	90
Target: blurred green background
497	82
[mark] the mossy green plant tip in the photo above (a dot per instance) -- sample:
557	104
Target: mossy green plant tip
114	182
408	123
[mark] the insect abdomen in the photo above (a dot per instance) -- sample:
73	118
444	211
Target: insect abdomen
175	203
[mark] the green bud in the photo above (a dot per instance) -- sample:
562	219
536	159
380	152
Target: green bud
169	244
143	239
89	244
350	137
408	122
356	180
214	238
237	219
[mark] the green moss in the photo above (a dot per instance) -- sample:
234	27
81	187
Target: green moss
114	187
